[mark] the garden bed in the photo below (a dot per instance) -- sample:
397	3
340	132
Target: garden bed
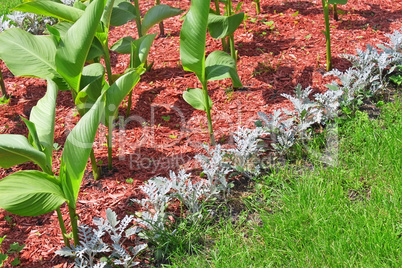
163	132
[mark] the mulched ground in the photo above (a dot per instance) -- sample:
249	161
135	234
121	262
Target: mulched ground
163	132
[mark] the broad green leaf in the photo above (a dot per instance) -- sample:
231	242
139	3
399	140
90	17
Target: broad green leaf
123	45
119	90
338	2
77	149
80	5
30	193
15	149
123	12
33	135
107	13
142	47
222	26
157	14
196	98
30	55
52	9
61	27
96	50
53	32
220	65
193	37
43	115
93	77
74	47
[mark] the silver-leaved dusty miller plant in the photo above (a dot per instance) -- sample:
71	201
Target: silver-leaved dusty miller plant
29	22
216	168
370	69
244	156
158	197
88	254
287	127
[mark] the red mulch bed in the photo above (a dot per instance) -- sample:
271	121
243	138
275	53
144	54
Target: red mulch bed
271	62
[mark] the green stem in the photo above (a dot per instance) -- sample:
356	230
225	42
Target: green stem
327	33
62	227
107	63
208	110
129	103
109	138
233	49
138	18
229	10
161	28
96	171
336	12
218	12
74	224
257	6
3	86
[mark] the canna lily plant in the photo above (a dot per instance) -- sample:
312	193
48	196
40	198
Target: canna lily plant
222	27
218	65
115	13
139	48
325	5
33	192
62	55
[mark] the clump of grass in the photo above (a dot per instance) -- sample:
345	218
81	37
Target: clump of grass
7	5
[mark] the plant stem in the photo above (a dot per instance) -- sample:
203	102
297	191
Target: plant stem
138	18
62	227
231	37
74	224
208	110
107	63
96	171
218	12
129	103
109	138
257	6
327	33
336	12
233	49
161	28
3	86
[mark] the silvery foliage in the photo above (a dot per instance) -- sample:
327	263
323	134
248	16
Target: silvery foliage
92	243
282	131
29	22
247	148
395	44
329	103
157	189
161	191
370	69
189	192
287	127
380	64
352	82
216	168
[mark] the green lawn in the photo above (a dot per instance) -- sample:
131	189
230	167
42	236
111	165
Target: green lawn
344	216
6	5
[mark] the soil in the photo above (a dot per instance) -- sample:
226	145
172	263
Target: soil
163	132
